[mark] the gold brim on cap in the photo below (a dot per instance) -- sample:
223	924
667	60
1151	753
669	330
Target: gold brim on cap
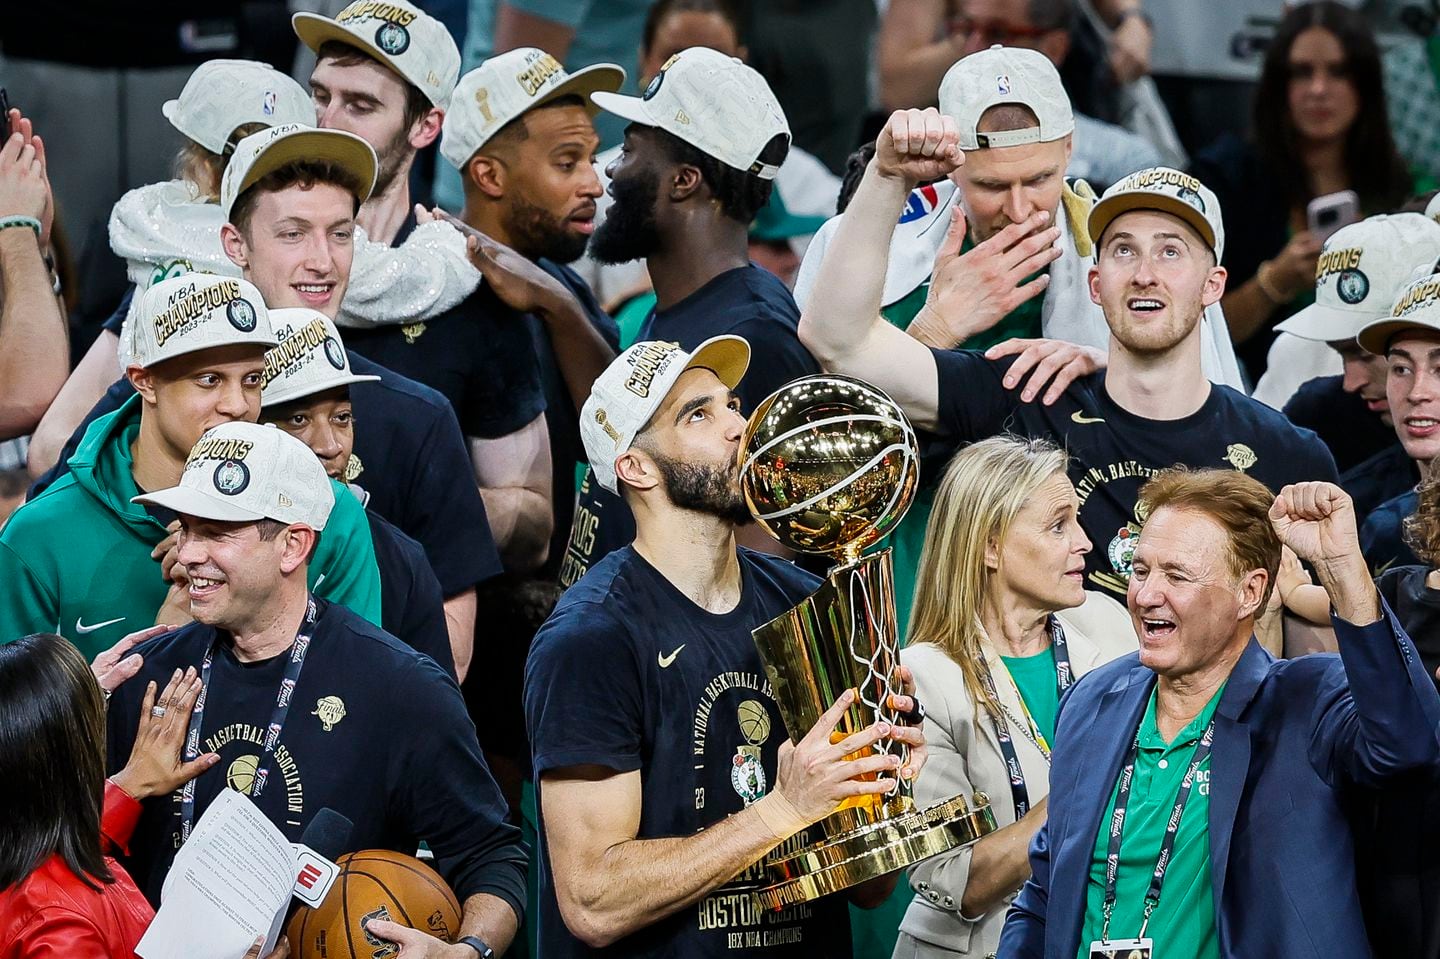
1375	338
346	149
585	82
726	356
1105	212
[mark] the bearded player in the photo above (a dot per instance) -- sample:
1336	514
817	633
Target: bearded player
663	767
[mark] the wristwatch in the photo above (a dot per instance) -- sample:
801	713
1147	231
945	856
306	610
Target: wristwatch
478	944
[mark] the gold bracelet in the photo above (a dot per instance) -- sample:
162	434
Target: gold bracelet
1265	287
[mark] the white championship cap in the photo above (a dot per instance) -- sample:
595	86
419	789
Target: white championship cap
509	84
714	103
398	34
1168	191
632	388
260	153
309	359
222	95
1360	273
1417	307
243	472
1001	75
197	311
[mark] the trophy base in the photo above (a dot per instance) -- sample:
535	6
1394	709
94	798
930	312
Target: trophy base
858	855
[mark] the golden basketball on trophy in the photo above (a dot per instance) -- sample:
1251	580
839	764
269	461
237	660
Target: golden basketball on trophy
828	465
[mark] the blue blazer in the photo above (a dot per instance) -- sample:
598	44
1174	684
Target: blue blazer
1290	736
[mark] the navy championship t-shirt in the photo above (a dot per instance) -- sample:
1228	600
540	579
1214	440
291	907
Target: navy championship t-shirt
1113	451
747	301
375	731
629	674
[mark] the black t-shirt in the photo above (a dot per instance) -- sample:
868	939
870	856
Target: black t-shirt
629	674
478	354
561	418
376	732
411	459
411	606
1342	421
1396	845
746	301
1113	451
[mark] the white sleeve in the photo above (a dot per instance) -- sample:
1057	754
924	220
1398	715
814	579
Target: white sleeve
424	276
810	265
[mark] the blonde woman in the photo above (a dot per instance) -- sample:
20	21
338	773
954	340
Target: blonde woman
1001	626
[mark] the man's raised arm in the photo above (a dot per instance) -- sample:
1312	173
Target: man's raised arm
841	324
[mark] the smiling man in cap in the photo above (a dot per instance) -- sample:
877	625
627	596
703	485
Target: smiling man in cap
1158	240
704	144
84	556
664	772
307	703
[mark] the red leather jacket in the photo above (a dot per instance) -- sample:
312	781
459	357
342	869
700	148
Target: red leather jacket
51	914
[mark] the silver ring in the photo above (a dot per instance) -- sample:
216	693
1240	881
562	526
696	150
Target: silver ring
158	712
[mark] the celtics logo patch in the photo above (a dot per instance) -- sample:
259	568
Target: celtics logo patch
392	38
1192	197
1122	550
334	353
1352	286
231	477
241	315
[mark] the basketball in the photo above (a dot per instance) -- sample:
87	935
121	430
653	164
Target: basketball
374	884
828	464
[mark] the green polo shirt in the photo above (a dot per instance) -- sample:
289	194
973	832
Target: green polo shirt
1039	687
1183	924
909	536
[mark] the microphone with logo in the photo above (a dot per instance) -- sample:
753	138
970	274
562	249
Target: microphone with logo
324	840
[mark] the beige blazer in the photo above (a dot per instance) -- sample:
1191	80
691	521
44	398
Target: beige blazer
964	757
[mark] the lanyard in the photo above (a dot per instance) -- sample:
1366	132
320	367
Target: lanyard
1172	828
1019	794
272	733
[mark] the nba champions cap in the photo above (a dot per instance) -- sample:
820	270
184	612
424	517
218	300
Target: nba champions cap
222	95
269	150
398	34
714	103
1360	273
242	472
1417	307
506	86
1168	191
309	359
632	388
197	311
1002	75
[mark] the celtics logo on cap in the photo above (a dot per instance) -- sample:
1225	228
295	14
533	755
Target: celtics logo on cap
231	477
334	353
654	85
392	38
241	315
1352	286
1192	197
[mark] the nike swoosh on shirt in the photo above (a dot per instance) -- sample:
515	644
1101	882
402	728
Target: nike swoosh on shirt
1083	420
82	629
665	661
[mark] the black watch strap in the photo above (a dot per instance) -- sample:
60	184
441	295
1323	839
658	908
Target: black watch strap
478	944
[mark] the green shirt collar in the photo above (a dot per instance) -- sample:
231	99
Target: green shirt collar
1150	731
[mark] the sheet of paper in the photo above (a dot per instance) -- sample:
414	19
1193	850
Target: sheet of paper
229	884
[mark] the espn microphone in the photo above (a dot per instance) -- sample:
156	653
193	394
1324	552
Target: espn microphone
324	840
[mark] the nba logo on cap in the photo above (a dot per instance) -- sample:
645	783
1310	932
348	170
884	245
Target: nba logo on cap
1002	84
268	106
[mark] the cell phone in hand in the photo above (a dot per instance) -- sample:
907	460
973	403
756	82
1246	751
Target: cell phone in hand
1326	214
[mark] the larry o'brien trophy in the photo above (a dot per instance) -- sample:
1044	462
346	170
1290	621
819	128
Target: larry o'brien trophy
828	465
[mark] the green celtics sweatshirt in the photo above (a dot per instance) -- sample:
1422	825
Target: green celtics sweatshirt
76	559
